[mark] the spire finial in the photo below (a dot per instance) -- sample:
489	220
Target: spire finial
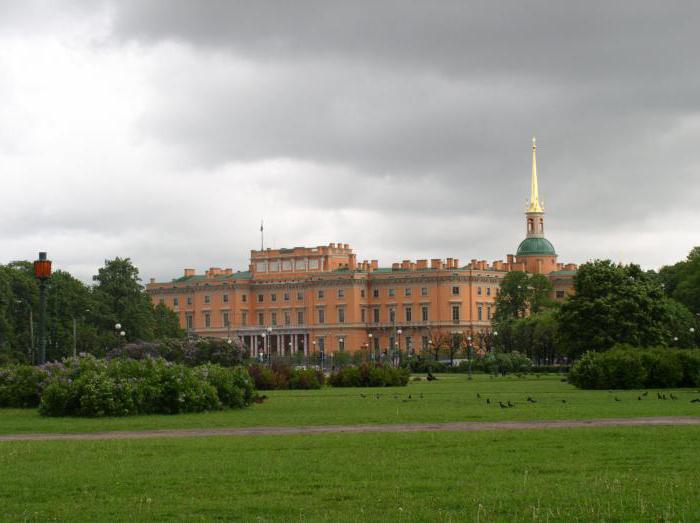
534	205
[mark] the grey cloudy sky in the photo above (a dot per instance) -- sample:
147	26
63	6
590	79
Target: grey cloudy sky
165	130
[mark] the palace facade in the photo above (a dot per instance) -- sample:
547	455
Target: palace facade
308	299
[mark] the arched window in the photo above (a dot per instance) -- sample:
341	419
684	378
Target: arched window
529	226
541	225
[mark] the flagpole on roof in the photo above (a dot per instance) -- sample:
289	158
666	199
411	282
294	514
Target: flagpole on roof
262	237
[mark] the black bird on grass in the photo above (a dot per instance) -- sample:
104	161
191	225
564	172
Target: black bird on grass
510	404
488	401
645	393
639	398
478	395
409	397
531	400
421	395
617	399
363	395
430	376
563	401
673	397
658	396
696	400
503	405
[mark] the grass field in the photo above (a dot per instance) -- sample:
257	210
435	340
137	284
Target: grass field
592	474
451	398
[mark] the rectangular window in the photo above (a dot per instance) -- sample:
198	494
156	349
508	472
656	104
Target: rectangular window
189	300
244	298
341	344
300	317
455	313
392	315
560	295
376	344
321	343
261	318
176	302
375	293
408	312
261	298
424	342
207	298
273	318
244	318
321	294
274	266
478	291
488	291
488	313
341	293
225	319
424	313
455	291
407	291
375	313
189	322
321	316
273	297
479	313
424	291
409	344
224	298
362	293
300	296
341	315
286	296
362	315
207	320
287	318
392	293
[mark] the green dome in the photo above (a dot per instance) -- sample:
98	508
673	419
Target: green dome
532	246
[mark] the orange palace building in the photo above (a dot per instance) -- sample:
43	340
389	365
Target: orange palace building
309	299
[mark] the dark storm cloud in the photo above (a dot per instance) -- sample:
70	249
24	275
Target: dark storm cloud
452	90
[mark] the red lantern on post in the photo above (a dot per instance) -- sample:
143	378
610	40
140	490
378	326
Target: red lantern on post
42	272
42	267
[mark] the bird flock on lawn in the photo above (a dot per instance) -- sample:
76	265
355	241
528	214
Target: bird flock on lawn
509	404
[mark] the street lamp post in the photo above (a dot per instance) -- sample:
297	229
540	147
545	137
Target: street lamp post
370	348
469	355
264	346
398	347
121	334
42	272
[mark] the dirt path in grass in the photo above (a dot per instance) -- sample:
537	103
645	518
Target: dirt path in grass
465	426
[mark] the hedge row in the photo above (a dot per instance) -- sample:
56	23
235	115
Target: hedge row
91	387
282	377
625	367
370	375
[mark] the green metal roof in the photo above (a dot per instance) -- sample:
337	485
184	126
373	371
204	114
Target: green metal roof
240	275
534	246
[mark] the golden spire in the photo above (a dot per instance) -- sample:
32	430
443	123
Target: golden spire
534	205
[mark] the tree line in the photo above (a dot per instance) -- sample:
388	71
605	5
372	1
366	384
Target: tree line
79	316
612	304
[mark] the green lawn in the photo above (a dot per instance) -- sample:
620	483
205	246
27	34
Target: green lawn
591	474
451	398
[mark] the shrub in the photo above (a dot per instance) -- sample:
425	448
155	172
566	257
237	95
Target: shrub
506	362
625	367
370	375
280	376
20	386
423	365
120	387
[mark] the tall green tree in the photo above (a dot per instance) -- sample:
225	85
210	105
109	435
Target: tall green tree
618	304
682	280
166	323
521	293
120	298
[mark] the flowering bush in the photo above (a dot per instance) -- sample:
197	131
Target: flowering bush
20	386
192	353
370	375
91	387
